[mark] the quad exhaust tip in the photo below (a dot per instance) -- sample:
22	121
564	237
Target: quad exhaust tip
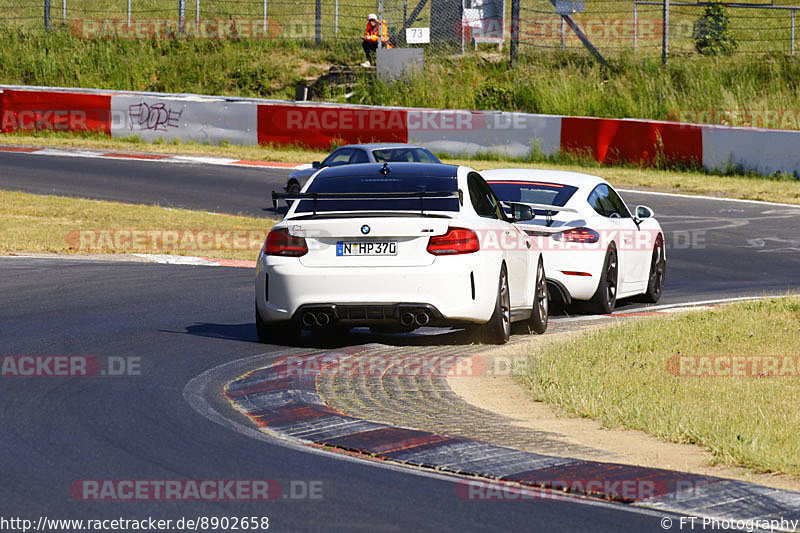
323	319
309	319
320	319
407	319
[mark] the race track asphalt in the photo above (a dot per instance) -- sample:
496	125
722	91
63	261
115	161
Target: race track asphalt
183	320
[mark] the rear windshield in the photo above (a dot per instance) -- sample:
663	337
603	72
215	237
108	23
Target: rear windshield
379	184
404	155
532	192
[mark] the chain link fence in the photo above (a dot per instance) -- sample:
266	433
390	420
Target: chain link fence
274	19
611	26
637	27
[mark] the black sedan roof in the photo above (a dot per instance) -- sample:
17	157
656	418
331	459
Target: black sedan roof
395	169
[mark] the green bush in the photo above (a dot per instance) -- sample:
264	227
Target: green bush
712	35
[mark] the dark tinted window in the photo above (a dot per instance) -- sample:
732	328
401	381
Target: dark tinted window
607	202
338	157
380	183
619	205
404	155
483	199
359	156
533	192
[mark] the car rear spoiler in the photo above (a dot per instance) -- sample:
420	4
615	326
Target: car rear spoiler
410	195
549	209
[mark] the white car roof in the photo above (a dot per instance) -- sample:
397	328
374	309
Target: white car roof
562	177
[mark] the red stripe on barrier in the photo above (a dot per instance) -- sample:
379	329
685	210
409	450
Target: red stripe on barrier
321	127
43	110
633	141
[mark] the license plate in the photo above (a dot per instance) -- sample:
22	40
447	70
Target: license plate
366	248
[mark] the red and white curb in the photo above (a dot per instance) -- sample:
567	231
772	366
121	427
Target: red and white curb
661	309
166	259
160	158
284	403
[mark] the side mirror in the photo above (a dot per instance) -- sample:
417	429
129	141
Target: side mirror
316	165
521	212
642	212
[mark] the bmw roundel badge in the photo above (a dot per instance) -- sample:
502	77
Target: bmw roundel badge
364	229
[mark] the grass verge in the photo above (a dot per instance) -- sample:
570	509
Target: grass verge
36	223
748	187
742	89
624	376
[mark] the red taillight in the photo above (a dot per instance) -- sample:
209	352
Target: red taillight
455	241
575	273
279	242
577	235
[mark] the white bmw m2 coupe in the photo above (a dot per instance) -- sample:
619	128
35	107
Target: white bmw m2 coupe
395	247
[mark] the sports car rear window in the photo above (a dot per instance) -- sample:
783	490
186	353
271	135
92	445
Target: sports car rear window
381	184
533	192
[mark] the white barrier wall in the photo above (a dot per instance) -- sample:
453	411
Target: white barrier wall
210	119
190	119
763	151
461	132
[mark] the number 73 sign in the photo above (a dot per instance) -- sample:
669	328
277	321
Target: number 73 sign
418	35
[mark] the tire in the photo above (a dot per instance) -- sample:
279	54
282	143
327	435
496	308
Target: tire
498	329
292	188
605	297
541	305
658	270
275	333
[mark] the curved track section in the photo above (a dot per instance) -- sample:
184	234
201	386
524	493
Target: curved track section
181	321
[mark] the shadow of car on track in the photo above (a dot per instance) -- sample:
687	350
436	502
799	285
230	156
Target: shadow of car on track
246	332
338	338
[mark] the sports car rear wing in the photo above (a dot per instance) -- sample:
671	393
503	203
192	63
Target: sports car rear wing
551	209
409	195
